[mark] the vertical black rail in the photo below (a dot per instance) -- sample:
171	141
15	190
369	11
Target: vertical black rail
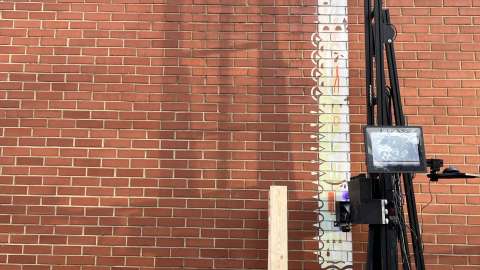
382	106
407	177
369	62
413	220
399	120
393	74
374	237
384	246
373	230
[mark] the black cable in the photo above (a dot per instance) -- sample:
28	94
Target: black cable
425	206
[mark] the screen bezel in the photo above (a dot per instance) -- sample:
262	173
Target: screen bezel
403	168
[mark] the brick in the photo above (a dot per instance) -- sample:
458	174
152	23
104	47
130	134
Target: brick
98	96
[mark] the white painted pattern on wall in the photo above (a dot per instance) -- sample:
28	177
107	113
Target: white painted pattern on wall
331	91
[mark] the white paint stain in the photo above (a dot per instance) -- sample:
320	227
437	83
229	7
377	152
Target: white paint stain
331	91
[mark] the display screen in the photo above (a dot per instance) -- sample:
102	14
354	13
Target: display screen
395	149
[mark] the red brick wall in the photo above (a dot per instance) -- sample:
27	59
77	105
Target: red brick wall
438	59
143	134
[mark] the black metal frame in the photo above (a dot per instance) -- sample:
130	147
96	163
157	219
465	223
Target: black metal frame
382	100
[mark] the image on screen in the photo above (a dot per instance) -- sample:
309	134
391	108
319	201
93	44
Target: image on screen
395	149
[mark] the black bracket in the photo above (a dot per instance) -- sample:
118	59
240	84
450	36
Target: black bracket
362	208
343	216
448	173
388	33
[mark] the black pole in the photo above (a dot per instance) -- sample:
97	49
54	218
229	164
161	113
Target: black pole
393	74
379	65
388	240
407	177
374	237
368	62
413	220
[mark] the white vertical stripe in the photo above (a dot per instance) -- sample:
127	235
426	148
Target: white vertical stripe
331	91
